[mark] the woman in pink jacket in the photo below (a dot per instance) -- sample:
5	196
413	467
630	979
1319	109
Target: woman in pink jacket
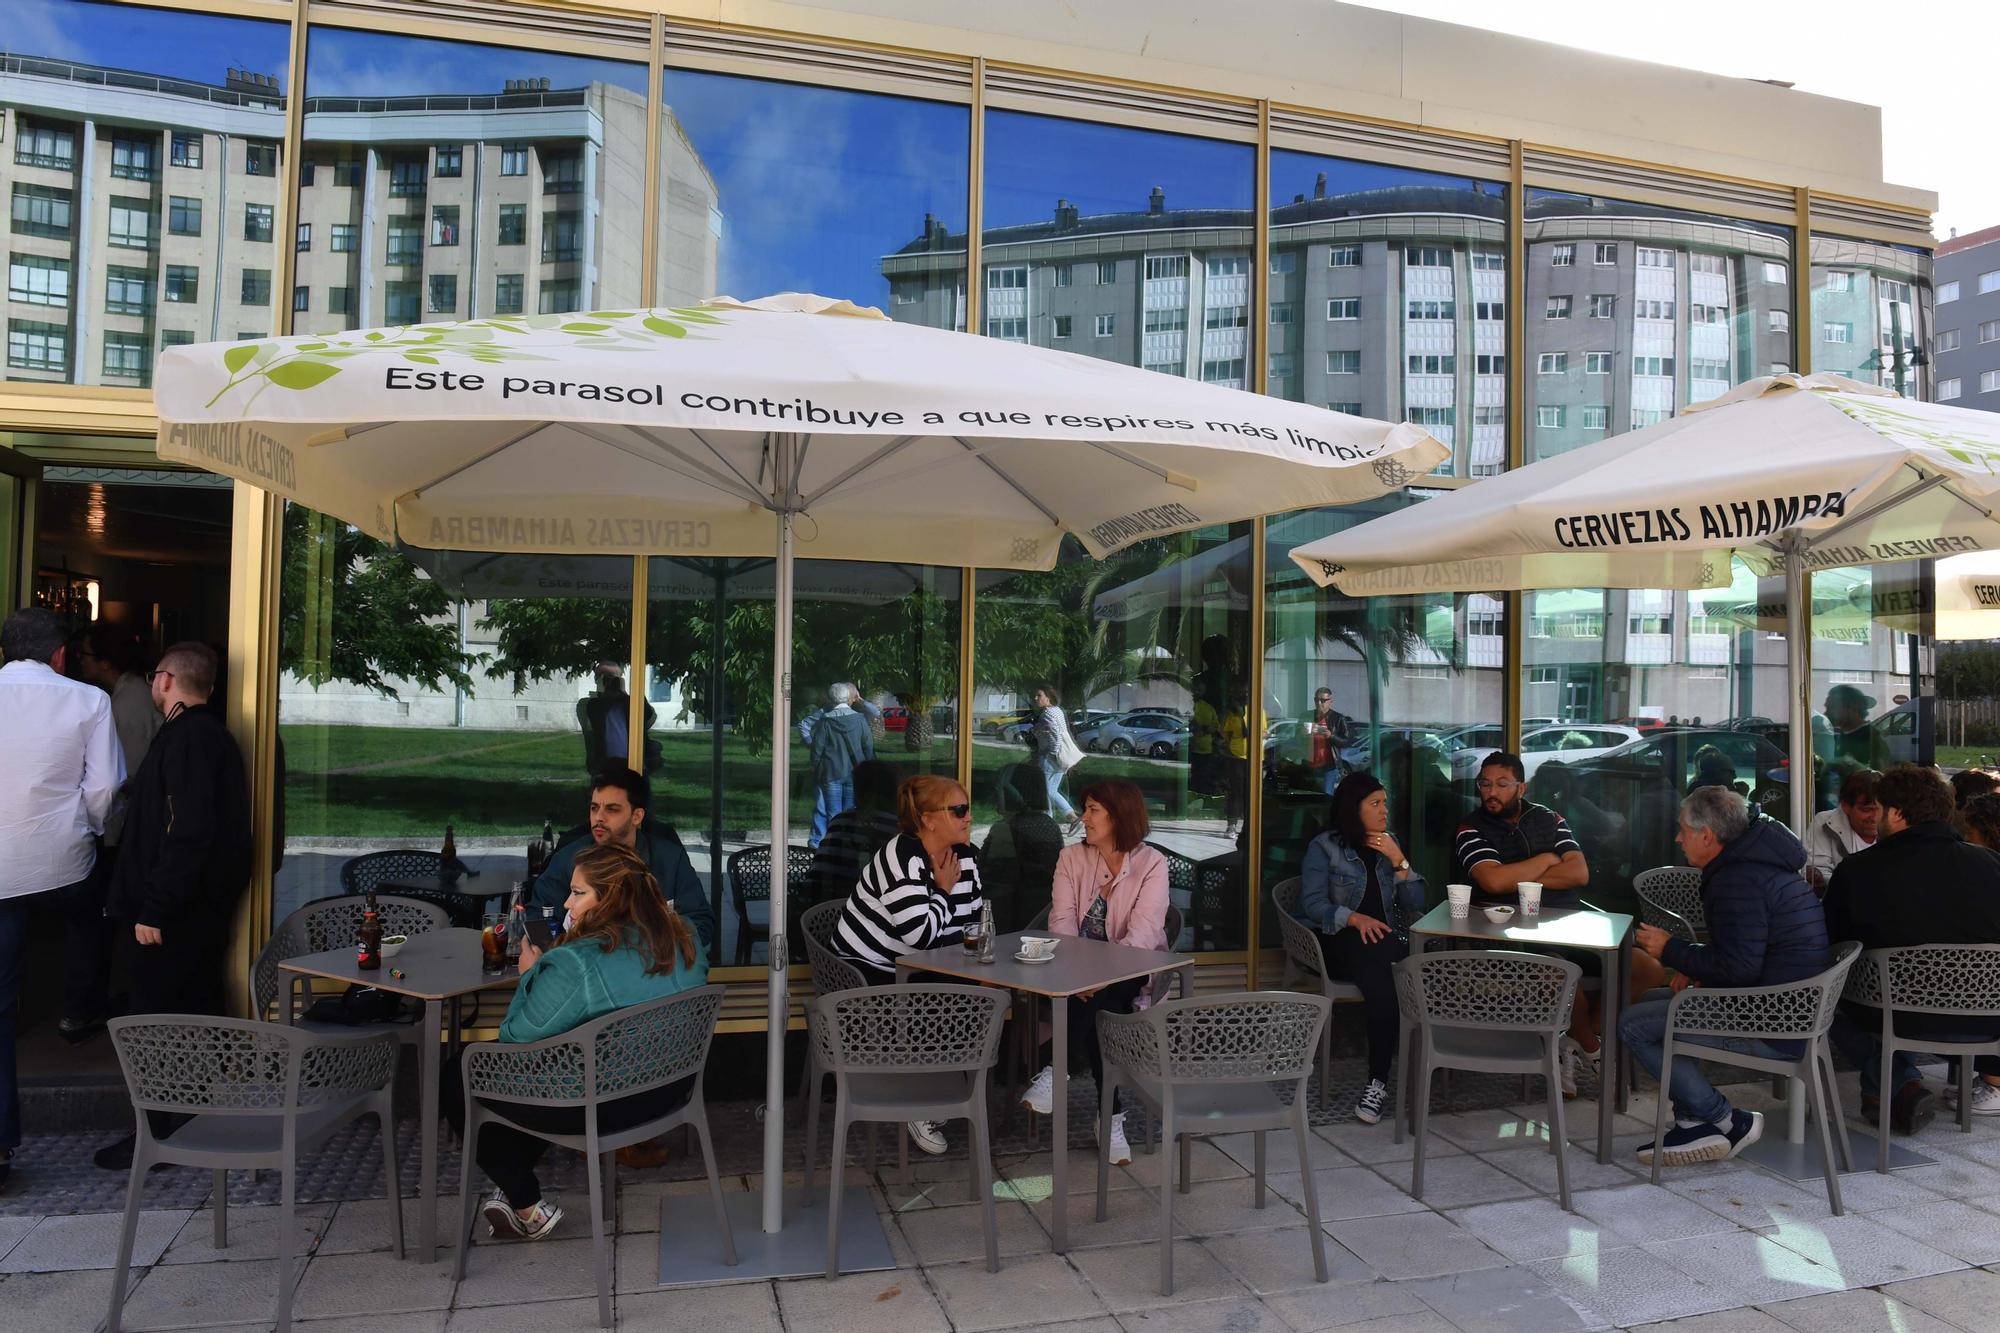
1111	886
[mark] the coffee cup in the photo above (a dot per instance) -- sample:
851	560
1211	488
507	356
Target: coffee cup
1531	897
1037	946
1460	897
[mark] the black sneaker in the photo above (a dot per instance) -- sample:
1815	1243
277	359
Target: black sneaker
1745	1128
1368	1110
1687	1144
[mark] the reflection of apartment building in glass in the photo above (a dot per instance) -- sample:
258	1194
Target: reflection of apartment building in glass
141	214
1635	311
1871	313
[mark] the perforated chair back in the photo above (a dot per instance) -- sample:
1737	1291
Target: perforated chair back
630	1051
928	1029
830	972
1301	942
1670	898
186	1064
1488	989
362	874
334	923
1797	1011
1246	1037
1961	979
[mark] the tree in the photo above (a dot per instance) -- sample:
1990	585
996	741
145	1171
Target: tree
910	648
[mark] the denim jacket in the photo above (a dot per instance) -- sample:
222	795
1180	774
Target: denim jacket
1332	884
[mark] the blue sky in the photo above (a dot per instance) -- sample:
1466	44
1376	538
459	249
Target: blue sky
346	62
1293	174
1032	161
200	47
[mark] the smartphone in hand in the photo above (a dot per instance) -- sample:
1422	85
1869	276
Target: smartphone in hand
539	933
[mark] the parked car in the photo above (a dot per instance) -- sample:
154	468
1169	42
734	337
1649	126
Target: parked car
997	724
1468	745
1569	740
1167	743
1117	735
1361	755
895	718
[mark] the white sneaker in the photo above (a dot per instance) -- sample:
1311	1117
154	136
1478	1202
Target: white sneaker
1985	1098
927	1136
1566	1053
1040	1096
501	1219
1121	1151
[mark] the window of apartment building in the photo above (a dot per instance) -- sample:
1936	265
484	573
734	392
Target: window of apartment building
400	302
444	293
1989	281
182	284
1166	319
1284	365
1654	366
260	157
1226	317
1491	260
126	356
1281	312
1947	390
1107	272
1489	310
1839	281
1104	326
1701	262
1595	416
406	176
1344	256
1015	278
562	173
340	300
1776	273
449	159
342	238
1552	363
1284	261
1063	325
1064	274
135	159
127	291
1343	363
1601	306
1643	417
1778	321
301	300
1947	341
1562	256
1947	291
1427	364
513	159
1700	369
1708	314
562	237
1652	256
348	171
1550	416
1557	308
444	224
1490	363
1836	333
256	286
1228	266
1228	371
1597	363
559	298
1652	309
1649	624
406	242
1989	380
43	144
1432	309
1489	414
1604	253
302	236
176	337
1427	256
513	224
1989	331
132	223
509	291
186	150
41	211
34	345
1431	416
38	280
1008	330
1344	307
1345	409
183	215
257	219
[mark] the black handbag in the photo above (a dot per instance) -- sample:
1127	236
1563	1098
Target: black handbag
361	1006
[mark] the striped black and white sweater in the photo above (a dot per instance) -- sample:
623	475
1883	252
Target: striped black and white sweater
898	908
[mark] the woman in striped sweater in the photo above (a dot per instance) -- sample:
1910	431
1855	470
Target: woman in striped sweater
920	891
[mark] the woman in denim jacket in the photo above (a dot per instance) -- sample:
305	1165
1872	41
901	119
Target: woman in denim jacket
1357	890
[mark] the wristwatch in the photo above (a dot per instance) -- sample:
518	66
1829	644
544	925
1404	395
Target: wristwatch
1403	866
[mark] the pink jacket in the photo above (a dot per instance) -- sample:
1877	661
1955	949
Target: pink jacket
1135	912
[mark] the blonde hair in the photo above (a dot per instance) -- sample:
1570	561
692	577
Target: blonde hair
920	795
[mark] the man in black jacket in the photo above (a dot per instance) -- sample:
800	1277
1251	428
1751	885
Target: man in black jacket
185	859
1765	929
1919	884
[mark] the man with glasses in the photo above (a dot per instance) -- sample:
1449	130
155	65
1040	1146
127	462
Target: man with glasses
1327	733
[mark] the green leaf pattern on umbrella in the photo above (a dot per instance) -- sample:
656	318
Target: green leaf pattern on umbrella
1893	422
305	365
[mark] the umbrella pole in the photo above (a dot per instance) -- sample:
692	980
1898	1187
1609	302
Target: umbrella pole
1798	670
778	1013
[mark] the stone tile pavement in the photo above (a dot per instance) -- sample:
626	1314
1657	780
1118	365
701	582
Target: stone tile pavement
1727	1248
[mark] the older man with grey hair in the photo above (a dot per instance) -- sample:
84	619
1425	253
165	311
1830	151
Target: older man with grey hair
1765	928
840	739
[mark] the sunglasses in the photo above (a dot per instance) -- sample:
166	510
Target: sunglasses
959	811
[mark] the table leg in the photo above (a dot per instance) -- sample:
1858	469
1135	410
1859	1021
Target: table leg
1608	1081
1059	1125
427	1101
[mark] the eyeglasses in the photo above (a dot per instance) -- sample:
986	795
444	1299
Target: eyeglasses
1504	784
959	811
151	676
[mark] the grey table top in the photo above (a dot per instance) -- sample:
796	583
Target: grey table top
436	965
1080	964
1576	928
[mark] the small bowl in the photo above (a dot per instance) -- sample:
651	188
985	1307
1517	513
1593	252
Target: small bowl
1499	915
393	945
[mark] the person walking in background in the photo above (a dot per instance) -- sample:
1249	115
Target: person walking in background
108	657
60	770
1056	751
185	858
605	718
1328	732
840	740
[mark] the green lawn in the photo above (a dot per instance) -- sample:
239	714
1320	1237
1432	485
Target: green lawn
1965	756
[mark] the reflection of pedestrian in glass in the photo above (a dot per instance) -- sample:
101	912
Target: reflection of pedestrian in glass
1850	743
1019	858
604	717
1328	731
840	740
1055	751
1233	753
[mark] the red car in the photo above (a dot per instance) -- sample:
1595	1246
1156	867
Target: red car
896	718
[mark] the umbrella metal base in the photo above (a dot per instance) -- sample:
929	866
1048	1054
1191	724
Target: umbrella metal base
691	1253
1800	1161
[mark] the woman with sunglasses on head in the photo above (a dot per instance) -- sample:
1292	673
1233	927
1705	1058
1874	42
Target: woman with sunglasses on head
920	891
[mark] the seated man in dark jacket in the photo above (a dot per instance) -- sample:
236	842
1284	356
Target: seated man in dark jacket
1919	884
619	801
1765	928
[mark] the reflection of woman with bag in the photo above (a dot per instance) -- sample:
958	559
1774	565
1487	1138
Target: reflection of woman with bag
1057	752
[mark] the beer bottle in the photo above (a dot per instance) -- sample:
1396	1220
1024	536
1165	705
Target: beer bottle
368	954
449	856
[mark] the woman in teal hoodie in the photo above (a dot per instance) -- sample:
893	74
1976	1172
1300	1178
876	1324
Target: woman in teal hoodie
623	944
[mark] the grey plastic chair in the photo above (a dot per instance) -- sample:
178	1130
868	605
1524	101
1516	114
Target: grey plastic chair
1960	980
1025	1049
1304	954
899	1053
830	973
259	1095
333	923
631	1051
749	873
1670	898
1208	1066
1492	1011
409	867
1798	1011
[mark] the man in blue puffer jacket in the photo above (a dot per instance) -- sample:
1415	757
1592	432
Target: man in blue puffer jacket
1765	928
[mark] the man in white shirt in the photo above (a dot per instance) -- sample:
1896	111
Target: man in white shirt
62	771
1836	834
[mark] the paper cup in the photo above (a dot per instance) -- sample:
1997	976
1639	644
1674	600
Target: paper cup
1531	897
1460	896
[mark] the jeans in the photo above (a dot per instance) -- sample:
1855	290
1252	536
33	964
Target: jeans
1054	774
13	925
1644	1028
830	797
1857	1034
1372	968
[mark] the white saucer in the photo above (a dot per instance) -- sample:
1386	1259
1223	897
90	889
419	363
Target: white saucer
1023	958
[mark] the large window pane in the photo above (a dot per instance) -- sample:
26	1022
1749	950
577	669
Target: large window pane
1388	299
1871	313
117	124
1873	670
1131	245
1148	655
774	187
436	167
889	631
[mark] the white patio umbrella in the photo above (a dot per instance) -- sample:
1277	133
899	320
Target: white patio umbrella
791	426
1789	473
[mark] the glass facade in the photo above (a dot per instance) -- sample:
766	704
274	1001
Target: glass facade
152	201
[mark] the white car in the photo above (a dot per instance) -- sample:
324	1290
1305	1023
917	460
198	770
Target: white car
1566	740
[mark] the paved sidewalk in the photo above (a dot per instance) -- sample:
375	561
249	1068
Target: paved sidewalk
1725	1248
